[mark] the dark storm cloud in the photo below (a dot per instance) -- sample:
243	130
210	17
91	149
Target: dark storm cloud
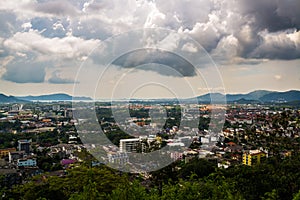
281	45
273	53
278	46
290	9
273	15
24	72
134	59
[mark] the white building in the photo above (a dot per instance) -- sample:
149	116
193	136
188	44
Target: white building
129	145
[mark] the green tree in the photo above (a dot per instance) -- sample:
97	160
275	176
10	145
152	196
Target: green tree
90	192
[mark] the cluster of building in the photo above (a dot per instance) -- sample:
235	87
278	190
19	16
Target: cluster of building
38	119
230	146
22	161
233	143
19	163
21	156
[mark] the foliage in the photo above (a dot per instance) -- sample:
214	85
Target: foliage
77	184
198	179
198	167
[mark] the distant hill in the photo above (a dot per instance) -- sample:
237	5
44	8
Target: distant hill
288	96
258	94
207	97
10	99
54	97
253	97
245	101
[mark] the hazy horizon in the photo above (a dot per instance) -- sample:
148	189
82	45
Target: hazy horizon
62	93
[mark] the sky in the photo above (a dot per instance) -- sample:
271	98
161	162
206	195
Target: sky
148	48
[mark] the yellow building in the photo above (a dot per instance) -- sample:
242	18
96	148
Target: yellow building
5	152
253	157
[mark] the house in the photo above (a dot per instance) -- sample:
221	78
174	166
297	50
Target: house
5	152
253	157
175	155
30	162
67	163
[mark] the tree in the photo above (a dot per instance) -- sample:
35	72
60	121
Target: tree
90	192
198	167
297	196
129	190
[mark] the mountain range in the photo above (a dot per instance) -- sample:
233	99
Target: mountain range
262	96
9	99
54	97
49	97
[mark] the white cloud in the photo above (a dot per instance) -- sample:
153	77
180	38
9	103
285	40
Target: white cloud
189	47
26	26
227	49
58	26
170	43
189	12
206	34
67	47
278	77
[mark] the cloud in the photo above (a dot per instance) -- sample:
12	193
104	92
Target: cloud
206	34
57	8
49	48
280	45
26	26
24	72
189	47
25	9
232	32
226	49
185	12
272	15
8	24
142	57
278	77
57	79
51	27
